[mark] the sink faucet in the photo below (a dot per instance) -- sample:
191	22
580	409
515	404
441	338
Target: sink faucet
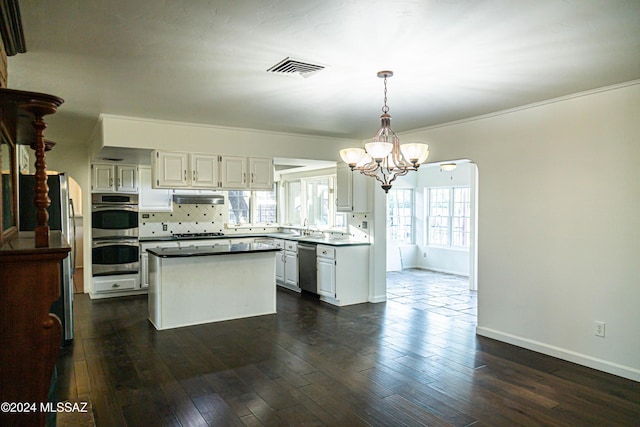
306	224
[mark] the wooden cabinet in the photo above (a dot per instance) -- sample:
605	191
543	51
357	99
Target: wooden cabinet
343	274
253	173
108	178
185	170
351	190
152	199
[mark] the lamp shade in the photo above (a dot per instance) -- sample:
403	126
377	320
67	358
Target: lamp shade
366	159
352	156
415	152
379	150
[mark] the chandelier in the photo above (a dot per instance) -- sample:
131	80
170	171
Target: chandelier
384	158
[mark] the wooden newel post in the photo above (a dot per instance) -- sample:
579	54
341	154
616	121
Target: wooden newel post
39	108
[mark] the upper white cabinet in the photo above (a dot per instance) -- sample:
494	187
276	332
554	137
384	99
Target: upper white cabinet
234	172
170	169
185	170
246	173
107	178
260	173
152	199
351	190
194	170
204	170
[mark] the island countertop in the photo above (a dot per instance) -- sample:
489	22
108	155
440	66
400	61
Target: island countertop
234	249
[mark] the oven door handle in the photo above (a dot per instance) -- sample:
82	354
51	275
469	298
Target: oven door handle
115	242
128	208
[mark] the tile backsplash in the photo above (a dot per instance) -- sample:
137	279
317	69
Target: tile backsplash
188	218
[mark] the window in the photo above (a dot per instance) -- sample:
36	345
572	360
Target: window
400	215
252	207
449	217
312	199
317	198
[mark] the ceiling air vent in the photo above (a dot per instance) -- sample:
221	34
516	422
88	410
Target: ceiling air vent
290	65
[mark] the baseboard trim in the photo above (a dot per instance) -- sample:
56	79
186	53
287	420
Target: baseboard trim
562	353
377	299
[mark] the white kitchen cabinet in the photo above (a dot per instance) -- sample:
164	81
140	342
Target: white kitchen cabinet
246	173
326	264
204	171
107	178
152	199
115	286
351	190
279	261
170	169
343	274
287	264
144	259
291	265
234	172
185	170
260	173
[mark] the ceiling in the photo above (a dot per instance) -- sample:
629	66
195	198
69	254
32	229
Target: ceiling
205	61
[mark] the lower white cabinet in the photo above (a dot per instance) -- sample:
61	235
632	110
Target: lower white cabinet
326	271
113	286
287	264
343	274
144	259
279	261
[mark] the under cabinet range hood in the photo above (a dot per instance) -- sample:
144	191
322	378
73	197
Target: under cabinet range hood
198	199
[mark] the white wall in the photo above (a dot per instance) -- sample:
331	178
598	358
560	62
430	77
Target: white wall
176	136
559	224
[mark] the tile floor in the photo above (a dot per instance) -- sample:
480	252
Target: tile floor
438	293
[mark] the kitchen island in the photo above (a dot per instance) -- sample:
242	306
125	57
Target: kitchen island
195	285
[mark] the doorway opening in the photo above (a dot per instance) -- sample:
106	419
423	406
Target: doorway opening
431	241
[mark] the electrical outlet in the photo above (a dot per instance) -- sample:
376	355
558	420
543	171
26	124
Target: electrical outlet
599	329
164	227
364	225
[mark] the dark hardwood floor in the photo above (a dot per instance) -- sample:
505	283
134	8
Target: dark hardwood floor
312	364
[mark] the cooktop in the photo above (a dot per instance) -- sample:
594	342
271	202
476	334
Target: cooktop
196	235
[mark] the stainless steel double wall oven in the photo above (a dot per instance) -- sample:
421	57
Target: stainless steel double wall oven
114	230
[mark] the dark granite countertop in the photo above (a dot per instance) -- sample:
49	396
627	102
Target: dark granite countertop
236	249
285	236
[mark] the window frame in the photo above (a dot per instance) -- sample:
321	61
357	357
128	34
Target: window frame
450	218
304	214
253	209
412	199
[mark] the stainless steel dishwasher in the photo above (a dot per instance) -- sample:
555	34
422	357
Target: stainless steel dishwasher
307	268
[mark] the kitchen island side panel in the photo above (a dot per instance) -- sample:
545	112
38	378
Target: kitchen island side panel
187	291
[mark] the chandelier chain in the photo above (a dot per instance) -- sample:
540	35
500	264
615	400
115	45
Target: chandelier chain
385	108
